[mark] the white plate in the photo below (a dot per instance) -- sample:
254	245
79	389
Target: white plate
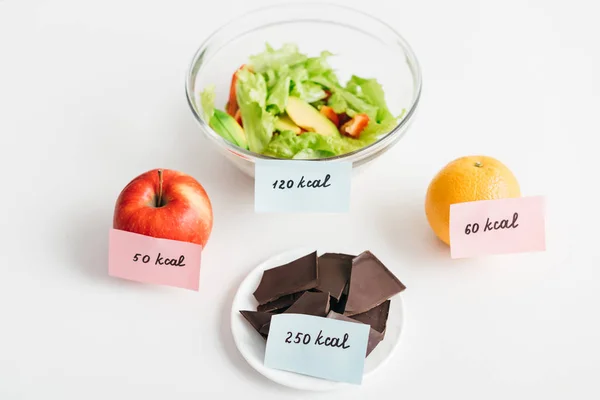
252	345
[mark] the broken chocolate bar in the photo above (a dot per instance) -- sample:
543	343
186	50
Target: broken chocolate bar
293	277
374	337
371	283
376	317
339	305
257	319
334	273
339	286
310	303
281	304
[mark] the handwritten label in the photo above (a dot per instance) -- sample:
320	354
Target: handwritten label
302	186
497	227
305	338
152	260
160	260
316	346
302	183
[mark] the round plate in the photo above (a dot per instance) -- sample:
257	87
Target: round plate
252	346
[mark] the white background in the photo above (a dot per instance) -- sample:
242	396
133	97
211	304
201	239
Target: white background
92	94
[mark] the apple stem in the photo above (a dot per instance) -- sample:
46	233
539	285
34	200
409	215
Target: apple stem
160	188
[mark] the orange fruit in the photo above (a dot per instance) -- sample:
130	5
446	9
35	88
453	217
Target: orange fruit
466	179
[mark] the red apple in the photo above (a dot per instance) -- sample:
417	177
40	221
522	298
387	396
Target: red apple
165	204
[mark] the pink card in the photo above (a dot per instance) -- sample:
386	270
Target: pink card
497	227
151	260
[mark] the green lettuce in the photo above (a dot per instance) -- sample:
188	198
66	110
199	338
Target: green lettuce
310	154
375	130
277	99
271	78
280	65
251	93
274	59
287	144
313	145
326	81
308	91
371	91
338	103
355	104
343	100
316	66
207	102
298	73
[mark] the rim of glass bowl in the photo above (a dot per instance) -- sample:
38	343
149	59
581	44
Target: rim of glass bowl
389	138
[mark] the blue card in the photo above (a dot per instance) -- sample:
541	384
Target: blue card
316	346
295	186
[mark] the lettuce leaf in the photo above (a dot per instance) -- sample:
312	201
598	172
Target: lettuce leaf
287	144
251	92
308	91
207	102
337	102
280	65
356	104
371	91
309	154
271	78
326	81
311	144
299	74
344	100
375	130
274	59
279	95
317	66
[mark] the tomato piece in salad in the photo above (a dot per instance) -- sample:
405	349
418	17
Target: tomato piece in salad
355	126
330	114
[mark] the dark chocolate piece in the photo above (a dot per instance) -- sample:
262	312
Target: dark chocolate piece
257	319
280	304
293	277
374	337
376	317
334	273
310	303
340	305
371	283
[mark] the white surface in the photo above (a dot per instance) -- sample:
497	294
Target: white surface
252	346
92	94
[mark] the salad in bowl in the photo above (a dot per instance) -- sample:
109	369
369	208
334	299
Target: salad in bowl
286	104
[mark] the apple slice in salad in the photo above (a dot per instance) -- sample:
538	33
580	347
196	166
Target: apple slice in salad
285	104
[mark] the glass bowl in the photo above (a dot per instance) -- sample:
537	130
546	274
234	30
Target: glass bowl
362	45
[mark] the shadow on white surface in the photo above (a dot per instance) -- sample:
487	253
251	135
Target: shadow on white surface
409	233
230	350
88	250
89	247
